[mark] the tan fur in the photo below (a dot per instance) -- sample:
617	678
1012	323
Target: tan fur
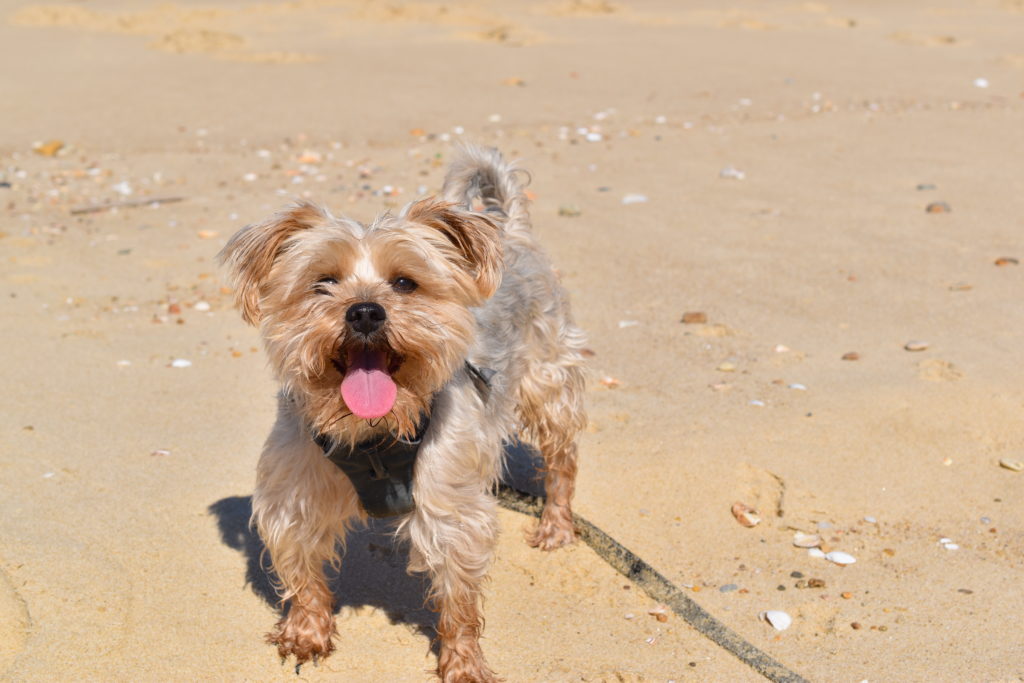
487	294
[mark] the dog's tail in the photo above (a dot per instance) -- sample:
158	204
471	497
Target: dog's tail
482	174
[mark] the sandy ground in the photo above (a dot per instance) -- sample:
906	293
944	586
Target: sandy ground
786	151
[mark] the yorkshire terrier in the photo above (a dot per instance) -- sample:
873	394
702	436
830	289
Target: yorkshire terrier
409	352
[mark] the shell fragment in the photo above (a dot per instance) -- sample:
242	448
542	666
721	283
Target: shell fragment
779	620
802	540
840	558
745	515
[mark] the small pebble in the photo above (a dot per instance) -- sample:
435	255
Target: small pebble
1007	261
796	575
630	615
727	588
870	520
851	355
938	207
781	348
732	173
695	318
798	387
757	402
181	363
856	626
201	306
915	345
981	83
922	187
961	287
846	595
965	591
161	451
610	382
726	367
815	583
660	613
569	210
628	323
1012	465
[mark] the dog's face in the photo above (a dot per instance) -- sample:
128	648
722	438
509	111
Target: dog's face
363	323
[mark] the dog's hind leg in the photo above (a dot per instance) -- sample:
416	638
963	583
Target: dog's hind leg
551	413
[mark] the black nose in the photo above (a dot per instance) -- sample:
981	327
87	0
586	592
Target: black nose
366	317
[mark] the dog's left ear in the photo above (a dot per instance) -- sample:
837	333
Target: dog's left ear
477	238
250	254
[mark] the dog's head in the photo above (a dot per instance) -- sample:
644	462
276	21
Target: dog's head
365	322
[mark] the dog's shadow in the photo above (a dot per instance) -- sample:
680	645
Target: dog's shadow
373	567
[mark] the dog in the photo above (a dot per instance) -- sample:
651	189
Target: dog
409	351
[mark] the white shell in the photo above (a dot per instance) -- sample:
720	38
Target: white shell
780	621
840	558
944	540
181	363
816	552
802	540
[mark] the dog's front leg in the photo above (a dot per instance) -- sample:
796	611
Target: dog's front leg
301	507
453	532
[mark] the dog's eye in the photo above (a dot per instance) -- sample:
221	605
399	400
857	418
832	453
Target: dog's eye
321	285
403	285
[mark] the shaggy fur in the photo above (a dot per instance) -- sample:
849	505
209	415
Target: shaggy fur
484	292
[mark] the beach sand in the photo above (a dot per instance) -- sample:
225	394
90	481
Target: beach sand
766	164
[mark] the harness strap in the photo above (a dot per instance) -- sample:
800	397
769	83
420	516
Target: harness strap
381	469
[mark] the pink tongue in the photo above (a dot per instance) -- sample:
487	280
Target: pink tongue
368	389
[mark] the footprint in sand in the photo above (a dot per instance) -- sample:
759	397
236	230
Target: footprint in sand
761	490
935	370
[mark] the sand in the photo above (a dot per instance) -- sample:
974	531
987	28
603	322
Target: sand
786	153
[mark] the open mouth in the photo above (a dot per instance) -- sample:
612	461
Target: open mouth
367	385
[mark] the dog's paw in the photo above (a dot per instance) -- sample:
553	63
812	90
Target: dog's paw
464	665
552	532
305	635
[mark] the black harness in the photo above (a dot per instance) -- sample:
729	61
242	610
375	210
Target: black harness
381	468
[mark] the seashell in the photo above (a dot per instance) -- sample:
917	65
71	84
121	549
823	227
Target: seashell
840	558
802	540
815	552
915	345
779	620
1012	465
745	515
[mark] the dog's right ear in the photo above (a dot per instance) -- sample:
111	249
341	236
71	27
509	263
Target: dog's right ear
250	254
